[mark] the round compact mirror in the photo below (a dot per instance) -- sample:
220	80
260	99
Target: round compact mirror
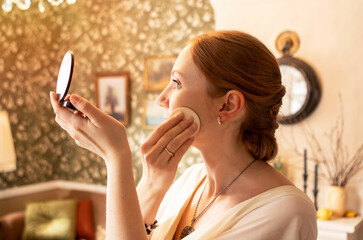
65	78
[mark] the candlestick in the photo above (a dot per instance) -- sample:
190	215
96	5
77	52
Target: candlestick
315	191
305	175
316	177
305	162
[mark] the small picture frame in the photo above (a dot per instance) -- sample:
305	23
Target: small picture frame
153	114
157	71
112	95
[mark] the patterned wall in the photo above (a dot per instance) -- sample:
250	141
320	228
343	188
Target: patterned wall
106	36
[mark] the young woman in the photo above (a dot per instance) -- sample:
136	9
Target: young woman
233	83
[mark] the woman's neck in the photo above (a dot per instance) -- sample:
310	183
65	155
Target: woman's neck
224	160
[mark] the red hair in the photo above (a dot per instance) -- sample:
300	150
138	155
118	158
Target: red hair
236	60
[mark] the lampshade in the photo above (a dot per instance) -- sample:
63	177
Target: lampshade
7	150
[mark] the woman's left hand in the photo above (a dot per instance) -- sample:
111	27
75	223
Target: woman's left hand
95	131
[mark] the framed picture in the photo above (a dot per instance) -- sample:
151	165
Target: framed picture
153	114
157	72
112	95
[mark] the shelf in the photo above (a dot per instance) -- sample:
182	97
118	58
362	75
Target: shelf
340	229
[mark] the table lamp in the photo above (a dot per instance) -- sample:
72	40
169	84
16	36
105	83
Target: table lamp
7	150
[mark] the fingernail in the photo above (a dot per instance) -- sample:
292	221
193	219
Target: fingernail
189	119
51	94
179	115
194	126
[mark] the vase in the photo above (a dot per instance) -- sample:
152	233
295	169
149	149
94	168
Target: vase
337	200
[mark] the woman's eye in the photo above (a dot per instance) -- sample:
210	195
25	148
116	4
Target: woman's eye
176	84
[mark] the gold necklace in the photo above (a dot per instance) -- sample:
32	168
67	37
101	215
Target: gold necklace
189	229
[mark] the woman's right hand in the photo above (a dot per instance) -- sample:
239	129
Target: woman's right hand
159	167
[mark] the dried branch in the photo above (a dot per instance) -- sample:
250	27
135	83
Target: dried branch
339	167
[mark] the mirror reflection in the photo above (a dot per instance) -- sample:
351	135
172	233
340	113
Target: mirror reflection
296	90
64	75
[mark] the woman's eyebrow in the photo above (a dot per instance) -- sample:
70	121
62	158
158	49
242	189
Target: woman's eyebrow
177	73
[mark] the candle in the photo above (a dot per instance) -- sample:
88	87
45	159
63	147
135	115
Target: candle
315	191
305	163
316	177
305	175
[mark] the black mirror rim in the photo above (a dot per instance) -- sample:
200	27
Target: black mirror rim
313	90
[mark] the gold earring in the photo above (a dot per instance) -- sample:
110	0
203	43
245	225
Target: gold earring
219	120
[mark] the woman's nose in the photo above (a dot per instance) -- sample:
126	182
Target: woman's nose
163	99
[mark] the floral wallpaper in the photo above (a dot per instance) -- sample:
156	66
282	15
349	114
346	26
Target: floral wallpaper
105	36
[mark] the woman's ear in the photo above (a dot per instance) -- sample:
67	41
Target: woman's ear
233	103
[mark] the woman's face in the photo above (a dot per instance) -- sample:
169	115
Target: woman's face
188	88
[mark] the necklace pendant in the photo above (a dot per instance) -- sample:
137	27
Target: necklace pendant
186	231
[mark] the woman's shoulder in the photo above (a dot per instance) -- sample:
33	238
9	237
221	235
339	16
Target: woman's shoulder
281	204
287	198
284	212
281	213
